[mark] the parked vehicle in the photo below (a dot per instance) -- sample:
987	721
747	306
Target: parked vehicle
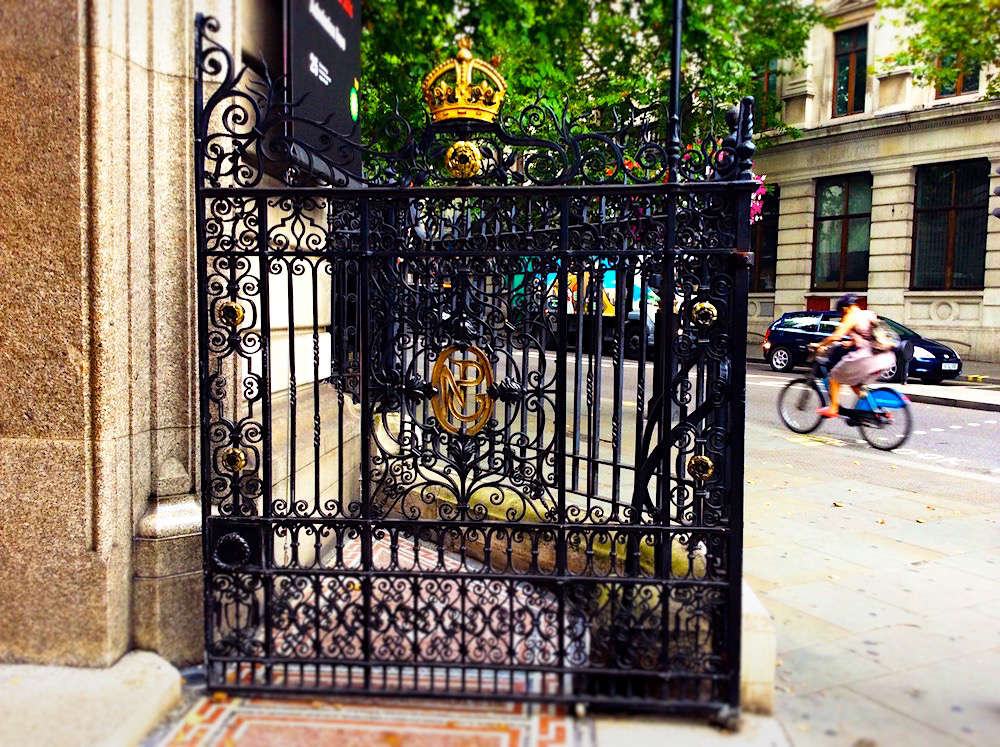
786	345
590	303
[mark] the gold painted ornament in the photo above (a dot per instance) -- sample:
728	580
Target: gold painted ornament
700	467
234	459
231	313
462	404
464	88
704	313
463	160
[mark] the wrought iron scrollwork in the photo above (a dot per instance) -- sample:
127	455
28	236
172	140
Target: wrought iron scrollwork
471	423
249	129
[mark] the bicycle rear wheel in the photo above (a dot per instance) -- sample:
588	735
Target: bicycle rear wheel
891	423
797	405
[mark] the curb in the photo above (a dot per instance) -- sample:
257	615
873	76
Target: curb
964	404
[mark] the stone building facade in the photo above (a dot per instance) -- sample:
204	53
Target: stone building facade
887	191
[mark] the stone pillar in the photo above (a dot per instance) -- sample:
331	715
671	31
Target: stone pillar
990	345
167	582
64	468
795	237
891	239
98	405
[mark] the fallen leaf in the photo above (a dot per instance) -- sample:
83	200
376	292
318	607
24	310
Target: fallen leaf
881	521
920	521
931	508
833	577
838	505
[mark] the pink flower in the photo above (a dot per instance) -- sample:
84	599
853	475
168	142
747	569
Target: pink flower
757	198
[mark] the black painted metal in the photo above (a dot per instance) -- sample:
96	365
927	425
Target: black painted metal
563	546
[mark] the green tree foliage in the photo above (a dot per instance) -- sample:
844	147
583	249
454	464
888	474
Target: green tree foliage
943	38
585	54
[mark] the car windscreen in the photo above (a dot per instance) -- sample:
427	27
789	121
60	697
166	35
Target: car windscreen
801	322
899	329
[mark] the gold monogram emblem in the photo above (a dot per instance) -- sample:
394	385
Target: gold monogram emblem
462	404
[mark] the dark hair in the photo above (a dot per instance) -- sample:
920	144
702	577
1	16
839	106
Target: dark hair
848	299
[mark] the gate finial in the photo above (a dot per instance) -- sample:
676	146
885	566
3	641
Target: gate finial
453	91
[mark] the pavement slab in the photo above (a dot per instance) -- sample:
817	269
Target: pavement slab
797	629
957	695
840	717
850	608
824	665
69	706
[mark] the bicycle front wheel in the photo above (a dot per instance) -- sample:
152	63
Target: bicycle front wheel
891	423
798	403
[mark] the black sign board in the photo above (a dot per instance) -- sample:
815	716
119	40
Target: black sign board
321	57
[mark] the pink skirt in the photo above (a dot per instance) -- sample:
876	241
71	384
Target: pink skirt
862	367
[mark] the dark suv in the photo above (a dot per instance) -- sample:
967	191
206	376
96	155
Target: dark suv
786	345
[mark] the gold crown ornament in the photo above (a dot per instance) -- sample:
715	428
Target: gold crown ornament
464	88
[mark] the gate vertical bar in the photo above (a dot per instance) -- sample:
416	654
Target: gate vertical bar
562	278
265	384
666	323
740	269
367	420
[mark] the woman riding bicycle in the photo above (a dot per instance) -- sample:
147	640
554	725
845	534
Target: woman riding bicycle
862	363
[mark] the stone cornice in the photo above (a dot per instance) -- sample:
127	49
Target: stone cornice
896	123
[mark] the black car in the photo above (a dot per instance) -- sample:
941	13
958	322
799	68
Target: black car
786	345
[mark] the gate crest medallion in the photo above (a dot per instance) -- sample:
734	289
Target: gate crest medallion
463	404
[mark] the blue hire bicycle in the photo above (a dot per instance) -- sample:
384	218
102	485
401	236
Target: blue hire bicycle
882	414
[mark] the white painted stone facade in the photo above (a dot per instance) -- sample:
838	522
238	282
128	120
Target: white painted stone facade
903	126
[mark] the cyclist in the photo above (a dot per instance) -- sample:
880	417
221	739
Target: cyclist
862	363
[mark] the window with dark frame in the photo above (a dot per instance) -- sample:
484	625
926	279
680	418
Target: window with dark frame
966	82
842	232
766	94
765	243
949	225
850	70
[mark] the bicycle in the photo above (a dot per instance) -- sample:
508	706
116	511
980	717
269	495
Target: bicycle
882	414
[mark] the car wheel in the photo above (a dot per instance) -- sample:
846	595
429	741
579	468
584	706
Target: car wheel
781	359
894	372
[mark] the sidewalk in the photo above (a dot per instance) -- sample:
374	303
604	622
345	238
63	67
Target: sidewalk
884	583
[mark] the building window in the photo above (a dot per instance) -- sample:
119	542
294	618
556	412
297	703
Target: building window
843	225
850	69
949	232
966	82
767	96
765	243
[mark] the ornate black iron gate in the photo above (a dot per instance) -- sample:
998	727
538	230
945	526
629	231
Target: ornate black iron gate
472	417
